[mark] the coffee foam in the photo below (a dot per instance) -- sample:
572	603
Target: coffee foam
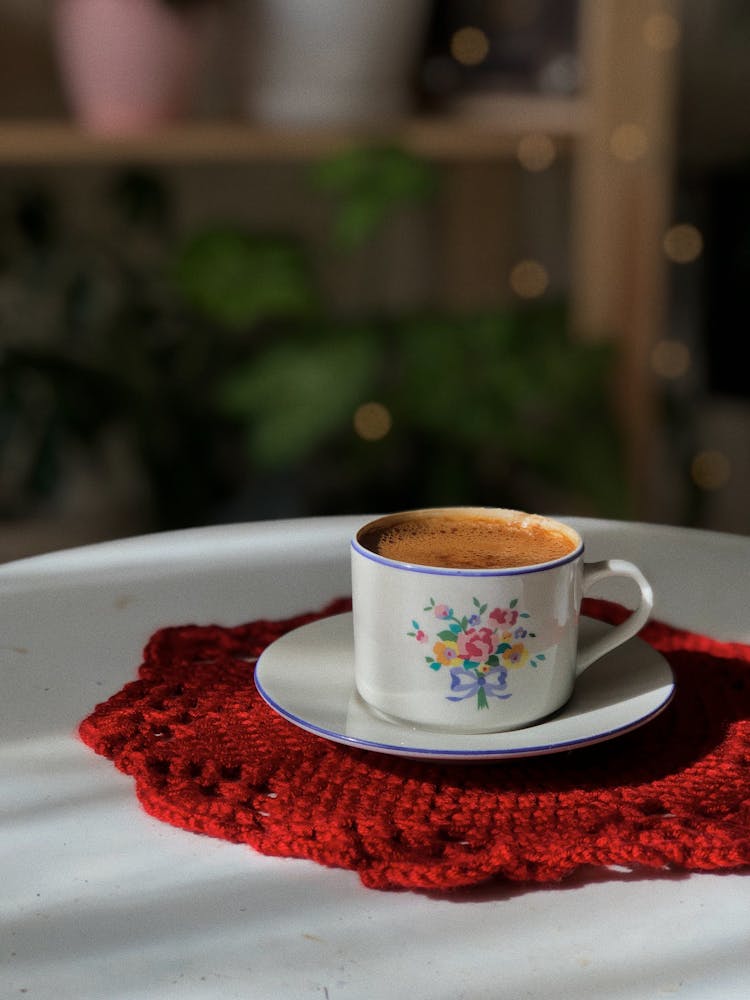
469	542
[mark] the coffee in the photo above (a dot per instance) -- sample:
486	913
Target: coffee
468	541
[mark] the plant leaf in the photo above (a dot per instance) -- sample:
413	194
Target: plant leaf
237	279
297	394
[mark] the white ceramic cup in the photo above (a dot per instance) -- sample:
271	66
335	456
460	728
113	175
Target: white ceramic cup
476	649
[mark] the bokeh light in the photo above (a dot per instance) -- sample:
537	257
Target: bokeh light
710	470
683	243
536	152
529	279
372	421
469	45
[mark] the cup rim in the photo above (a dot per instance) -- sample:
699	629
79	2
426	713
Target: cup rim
502	513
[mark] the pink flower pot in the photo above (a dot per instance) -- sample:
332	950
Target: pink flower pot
127	66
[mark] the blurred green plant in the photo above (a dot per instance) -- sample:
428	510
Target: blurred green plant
367	185
240	279
218	363
487	407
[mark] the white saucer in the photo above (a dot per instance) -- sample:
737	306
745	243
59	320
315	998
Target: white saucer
307	677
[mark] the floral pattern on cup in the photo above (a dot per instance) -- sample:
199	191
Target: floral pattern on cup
478	649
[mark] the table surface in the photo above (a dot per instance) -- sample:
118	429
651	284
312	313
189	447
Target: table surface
100	900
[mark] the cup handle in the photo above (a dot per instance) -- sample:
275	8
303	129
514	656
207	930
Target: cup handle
592	573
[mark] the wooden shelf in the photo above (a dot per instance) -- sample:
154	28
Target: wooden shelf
493	135
620	205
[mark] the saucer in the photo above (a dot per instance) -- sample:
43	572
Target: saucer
307	676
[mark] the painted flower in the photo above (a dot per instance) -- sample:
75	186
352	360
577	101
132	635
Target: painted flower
516	656
504	616
446	653
478	649
476	644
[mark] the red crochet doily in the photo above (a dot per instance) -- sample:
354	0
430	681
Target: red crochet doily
207	754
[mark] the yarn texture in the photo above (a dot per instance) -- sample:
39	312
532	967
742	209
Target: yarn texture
208	755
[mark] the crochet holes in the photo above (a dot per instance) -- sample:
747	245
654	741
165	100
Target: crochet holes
663	798
655	808
220	781
194	772
203	774
159	768
259	804
265	812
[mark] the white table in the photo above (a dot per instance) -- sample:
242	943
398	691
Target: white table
98	900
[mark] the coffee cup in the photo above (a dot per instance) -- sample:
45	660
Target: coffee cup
466	618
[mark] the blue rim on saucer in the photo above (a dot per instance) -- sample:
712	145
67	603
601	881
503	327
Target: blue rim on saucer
306	676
